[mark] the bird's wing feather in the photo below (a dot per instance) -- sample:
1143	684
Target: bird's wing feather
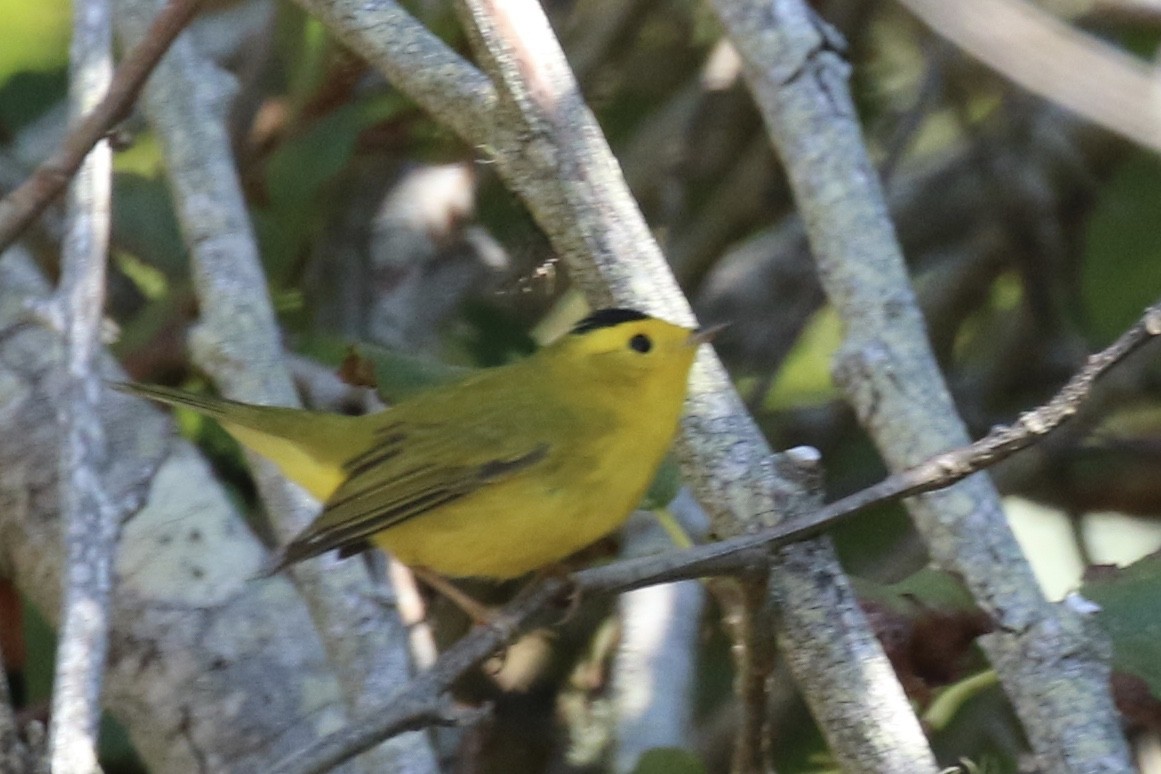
412	469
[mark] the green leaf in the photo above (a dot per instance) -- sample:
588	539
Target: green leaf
665	485
1122	258
805	378
1130	602
36	36
299	174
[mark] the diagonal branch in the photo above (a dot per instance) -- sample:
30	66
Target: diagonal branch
420	700
888	373
22	206
1024	42
550	150
935	473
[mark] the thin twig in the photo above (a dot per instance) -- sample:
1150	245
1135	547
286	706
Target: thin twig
417	702
938	472
19	208
89	517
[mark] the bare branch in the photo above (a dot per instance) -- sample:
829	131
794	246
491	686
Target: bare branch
551	151
22	206
90	518
208	669
752	618
889	374
655	669
1045	55
937	472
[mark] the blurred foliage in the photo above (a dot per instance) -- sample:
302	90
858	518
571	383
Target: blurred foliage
668	760
1031	241
36	37
805	378
32	60
1130	611
1122	256
301	172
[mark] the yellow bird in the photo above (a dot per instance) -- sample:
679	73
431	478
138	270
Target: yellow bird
505	471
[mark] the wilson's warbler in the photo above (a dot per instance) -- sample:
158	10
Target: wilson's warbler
502	472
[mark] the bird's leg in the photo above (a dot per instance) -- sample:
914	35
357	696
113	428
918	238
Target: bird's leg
479	613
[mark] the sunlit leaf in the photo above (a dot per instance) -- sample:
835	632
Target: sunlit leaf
805	377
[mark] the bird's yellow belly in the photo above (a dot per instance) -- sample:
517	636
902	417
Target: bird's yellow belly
507	530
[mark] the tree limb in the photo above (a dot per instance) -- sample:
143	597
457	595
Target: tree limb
890	376
208	669
655	666
550	150
90	517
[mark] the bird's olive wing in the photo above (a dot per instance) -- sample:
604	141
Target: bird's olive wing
406	474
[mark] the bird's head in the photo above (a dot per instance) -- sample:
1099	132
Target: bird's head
625	346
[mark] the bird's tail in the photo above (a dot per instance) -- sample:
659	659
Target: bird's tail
308	446
216	408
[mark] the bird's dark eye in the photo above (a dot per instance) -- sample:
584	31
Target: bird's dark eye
640	343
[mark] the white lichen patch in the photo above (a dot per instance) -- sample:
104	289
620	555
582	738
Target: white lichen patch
188	544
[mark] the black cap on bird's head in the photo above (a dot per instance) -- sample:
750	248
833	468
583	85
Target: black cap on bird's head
632	343
610	317
607	318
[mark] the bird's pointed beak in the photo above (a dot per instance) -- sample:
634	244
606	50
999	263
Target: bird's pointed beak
705	334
